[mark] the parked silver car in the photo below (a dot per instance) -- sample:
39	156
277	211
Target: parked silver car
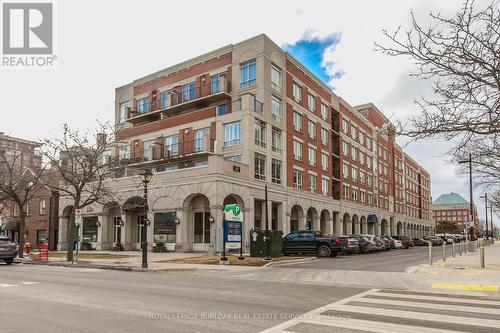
8	250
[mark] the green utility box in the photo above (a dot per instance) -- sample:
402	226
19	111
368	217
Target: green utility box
258	244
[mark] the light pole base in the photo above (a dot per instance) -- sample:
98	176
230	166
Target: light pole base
241	258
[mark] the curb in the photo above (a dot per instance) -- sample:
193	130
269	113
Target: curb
115	268
290	262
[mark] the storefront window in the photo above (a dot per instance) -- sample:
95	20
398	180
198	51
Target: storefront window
89	233
201	227
165	227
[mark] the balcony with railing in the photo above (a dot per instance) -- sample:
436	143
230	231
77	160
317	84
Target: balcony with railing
165	104
167	153
248	102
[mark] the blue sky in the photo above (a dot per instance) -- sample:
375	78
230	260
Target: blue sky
310	51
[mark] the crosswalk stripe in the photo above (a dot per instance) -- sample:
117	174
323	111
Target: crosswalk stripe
373	326
434	305
418	315
438	298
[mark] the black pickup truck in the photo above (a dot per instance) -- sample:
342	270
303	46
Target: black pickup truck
313	242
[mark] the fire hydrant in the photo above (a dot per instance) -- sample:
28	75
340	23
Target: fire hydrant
27	248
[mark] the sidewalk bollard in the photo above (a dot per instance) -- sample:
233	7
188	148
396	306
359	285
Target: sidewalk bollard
460	248
444	251
466	247
430	253
453	250
481	253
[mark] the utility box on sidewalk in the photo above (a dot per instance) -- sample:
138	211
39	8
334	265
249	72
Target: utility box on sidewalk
473	246
258	244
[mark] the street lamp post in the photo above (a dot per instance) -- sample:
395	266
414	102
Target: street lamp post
470	194
268	236
485	196
146	178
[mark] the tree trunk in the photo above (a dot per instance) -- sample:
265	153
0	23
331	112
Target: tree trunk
70	235
22	231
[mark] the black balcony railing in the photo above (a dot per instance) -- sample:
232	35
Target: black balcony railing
167	152
184	94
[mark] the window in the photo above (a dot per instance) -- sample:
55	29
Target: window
362	138
344	126
370	198
248	73
125	152
312	183
354	194
43	207
28	208
232	134
297	122
124	107
172	145
260	133
324	136
354	132
275	78
312	156
361	177
276	141
200	138
325	184
41	236
354	174
276	171
188	92
221	109
311	103
385	154
346	192
143	105
146	150
276	108
215	83
297	93
345	148
164	227
362	197
354	153
297	179
345	170
368	162
311	129
324	111
260	166
324	162
297	150
361	158
164	98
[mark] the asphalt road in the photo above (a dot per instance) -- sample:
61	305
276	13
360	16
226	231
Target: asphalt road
385	261
57	299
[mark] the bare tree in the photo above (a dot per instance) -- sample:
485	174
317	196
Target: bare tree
20	181
460	55
79	160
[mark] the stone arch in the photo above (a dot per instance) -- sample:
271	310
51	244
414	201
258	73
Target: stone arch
133	204
384	227
372	220
195	225
296	217
346	224
325	222
399	229
355	228
363	225
312	219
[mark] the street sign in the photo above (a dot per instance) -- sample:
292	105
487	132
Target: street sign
78	216
233	226
471	223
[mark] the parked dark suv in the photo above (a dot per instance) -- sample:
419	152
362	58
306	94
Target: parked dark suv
7	250
313	242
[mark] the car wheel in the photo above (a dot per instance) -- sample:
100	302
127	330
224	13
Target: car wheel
334	254
324	251
9	261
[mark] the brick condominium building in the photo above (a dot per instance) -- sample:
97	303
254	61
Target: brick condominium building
452	207
42	220
215	129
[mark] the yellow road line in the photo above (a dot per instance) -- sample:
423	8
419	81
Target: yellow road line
474	287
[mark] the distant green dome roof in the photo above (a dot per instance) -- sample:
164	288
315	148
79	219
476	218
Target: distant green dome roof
450	199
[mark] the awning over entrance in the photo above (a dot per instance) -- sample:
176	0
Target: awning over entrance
372	218
133	205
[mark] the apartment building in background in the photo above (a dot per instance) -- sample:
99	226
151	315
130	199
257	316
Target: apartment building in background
452	207
42	220
217	128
